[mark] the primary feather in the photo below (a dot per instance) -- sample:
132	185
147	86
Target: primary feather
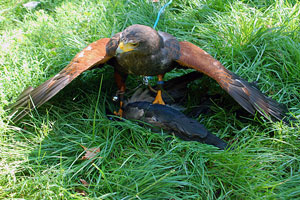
89	57
155	54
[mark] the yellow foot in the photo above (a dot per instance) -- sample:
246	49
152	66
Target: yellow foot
158	99
119	113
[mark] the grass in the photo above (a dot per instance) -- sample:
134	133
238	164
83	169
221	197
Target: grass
40	158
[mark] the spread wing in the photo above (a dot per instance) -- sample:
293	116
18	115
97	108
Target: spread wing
245	93
96	53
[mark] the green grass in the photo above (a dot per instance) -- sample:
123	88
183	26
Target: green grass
40	158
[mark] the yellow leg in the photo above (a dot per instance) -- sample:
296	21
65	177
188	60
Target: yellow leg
158	99
120	112
120	80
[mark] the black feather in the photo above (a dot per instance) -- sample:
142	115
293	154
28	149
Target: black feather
171	120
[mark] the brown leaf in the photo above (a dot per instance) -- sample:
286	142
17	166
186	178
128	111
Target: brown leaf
81	192
90	153
84	182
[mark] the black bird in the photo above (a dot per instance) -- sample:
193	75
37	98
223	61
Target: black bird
139	107
170	119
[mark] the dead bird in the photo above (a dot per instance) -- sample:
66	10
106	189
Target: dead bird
169	119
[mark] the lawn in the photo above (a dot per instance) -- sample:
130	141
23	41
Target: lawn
40	158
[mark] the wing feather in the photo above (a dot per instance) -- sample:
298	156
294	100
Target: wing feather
94	54
245	93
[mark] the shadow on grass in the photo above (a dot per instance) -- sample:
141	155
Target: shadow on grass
134	162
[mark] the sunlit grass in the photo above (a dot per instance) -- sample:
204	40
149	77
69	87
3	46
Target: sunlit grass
41	157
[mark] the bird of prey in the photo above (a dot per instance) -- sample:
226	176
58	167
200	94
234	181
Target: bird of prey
141	50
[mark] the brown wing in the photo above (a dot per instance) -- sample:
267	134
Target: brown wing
245	93
92	55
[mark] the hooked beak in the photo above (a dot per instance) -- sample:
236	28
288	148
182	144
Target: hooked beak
124	48
119	50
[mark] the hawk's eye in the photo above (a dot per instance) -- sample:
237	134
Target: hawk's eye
135	44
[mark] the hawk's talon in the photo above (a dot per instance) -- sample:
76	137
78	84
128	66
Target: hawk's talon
119	113
158	99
